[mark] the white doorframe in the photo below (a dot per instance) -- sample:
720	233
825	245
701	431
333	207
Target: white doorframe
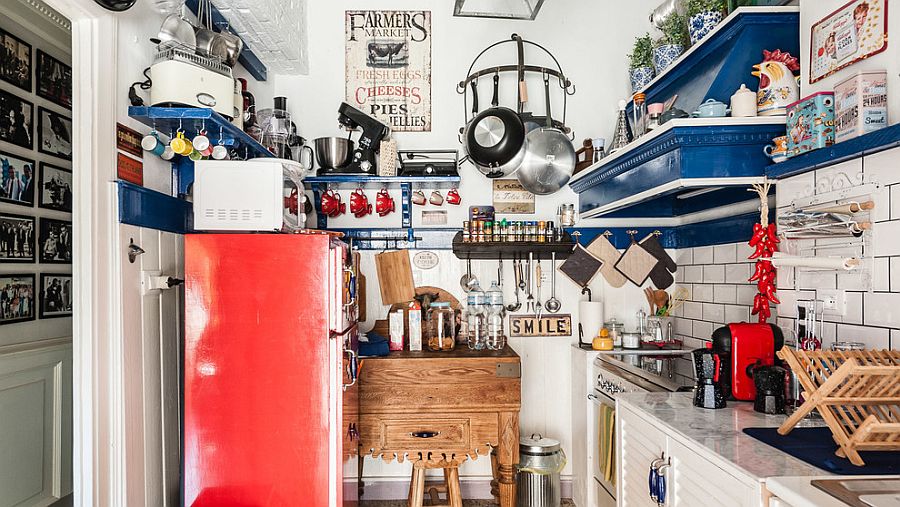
99	418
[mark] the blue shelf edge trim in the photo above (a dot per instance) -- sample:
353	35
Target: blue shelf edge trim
867	144
412	238
154	210
349	180
723	231
247	59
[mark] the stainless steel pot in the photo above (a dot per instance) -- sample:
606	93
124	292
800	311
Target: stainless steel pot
176	29
333	152
549	160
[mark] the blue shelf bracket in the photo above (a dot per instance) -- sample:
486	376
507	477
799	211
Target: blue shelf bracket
406	206
321	218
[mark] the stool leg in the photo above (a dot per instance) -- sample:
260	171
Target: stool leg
454	495
418	494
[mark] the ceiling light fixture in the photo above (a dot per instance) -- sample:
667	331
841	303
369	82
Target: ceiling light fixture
500	9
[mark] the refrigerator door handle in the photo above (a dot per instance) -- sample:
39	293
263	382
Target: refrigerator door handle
352	369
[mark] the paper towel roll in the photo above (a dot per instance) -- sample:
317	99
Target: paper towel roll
590	315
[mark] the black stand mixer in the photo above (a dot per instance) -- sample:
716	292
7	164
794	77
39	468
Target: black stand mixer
373	131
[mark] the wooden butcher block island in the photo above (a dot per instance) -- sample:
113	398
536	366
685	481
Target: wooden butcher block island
443	406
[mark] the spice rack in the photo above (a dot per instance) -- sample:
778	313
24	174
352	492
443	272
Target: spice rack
493	250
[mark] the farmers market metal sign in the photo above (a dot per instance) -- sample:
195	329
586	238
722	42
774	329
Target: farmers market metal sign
388	67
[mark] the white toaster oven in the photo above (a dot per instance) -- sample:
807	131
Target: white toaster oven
262	194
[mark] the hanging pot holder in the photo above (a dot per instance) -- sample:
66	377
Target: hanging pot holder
636	263
581	267
602	249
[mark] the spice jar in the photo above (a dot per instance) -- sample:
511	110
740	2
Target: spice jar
441	327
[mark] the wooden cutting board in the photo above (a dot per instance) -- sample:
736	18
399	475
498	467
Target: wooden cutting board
395	278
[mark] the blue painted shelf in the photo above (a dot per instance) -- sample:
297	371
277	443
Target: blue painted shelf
354	181
167	120
147	208
867	144
382	239
684	167
718	65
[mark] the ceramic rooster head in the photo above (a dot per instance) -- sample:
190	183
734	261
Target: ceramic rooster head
778	86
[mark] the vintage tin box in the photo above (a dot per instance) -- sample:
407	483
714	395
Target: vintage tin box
860	104
810	123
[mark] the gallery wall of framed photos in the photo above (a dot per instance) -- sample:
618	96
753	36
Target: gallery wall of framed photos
36	187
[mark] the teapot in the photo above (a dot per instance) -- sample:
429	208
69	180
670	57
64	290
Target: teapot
743	103
712	108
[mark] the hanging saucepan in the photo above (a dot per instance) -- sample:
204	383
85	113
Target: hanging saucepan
495	139
549	156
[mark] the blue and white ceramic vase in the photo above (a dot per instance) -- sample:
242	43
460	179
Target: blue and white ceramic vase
702	23
664	55
640	77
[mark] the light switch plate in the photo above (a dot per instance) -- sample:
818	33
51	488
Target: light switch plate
834	301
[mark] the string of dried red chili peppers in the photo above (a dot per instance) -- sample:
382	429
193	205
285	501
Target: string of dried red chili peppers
765	243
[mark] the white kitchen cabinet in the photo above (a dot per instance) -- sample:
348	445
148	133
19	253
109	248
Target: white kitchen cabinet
693	479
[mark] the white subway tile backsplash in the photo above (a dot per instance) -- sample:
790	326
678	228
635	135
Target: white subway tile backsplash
738	273
693	310
886	238
693	274
703	293
828	334
735	313
881	279
725	254
683	327
809	280
744	250
882	309
725	294
703	330
793	188
703	255
713	312
895	202
684	257
895	274
678	275
882	167
883	204
714	274
786	278
745	294
872	337
895	339
854	314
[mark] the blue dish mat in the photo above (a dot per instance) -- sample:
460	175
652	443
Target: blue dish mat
816	447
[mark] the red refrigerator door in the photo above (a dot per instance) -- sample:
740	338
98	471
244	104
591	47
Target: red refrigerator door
262	411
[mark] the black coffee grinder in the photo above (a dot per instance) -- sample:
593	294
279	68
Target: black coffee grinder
709	391
373	131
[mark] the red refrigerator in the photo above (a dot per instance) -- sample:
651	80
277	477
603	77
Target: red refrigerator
270	401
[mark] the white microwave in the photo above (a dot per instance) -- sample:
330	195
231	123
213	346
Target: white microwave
261	194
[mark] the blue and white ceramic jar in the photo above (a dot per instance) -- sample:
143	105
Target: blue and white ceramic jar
702	23
664	55
640	77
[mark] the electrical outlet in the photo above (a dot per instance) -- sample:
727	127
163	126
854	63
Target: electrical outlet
834	302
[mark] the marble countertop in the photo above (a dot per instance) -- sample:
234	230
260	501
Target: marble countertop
798	491
655	351
719	433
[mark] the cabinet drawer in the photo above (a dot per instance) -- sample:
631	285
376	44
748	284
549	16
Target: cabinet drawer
427	432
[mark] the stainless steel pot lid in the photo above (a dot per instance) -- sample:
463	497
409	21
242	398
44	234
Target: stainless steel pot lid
537	445
549	161
489	131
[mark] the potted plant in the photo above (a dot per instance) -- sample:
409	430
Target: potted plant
703	16
640	67
672	43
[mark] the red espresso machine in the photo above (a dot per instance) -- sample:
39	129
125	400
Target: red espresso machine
270	402
742	348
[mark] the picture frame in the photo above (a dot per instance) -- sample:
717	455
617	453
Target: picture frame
17	179
17	298
55	296
54	188
16	120
15	61
855	31
54	134
54	241
17	235
54	80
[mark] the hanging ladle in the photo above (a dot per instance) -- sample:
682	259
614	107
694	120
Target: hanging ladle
553	305
514	307
467	280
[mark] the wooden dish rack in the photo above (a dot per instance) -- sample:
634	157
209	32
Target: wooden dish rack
856	392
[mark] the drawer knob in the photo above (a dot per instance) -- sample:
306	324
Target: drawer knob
424	434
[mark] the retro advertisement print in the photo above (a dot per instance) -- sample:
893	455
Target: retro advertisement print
852	33
388	67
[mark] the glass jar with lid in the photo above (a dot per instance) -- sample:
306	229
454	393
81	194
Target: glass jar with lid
616	329
440	327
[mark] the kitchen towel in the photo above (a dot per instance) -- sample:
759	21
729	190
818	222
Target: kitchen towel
602	249
661	275
581	267
636	264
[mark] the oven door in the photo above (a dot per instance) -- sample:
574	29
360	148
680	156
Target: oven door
602	447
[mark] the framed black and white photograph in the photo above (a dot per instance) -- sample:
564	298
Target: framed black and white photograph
56	296
15	60
17	179
55	241
54	80
54	134
55	188
16	238
16	120
17	298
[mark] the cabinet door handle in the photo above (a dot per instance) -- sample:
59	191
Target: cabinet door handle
424	434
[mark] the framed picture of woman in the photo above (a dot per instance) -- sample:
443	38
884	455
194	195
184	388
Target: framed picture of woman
54	134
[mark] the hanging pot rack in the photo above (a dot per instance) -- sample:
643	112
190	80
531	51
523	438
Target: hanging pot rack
520	68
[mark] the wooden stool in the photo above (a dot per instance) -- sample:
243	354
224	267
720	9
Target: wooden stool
450	486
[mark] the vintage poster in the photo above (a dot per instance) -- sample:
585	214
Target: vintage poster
388	67
510	197
852	33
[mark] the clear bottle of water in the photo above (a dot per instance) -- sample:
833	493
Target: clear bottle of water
475	314
495	314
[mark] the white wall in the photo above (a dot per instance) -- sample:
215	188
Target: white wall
591	45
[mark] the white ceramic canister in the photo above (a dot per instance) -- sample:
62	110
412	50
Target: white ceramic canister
743	103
